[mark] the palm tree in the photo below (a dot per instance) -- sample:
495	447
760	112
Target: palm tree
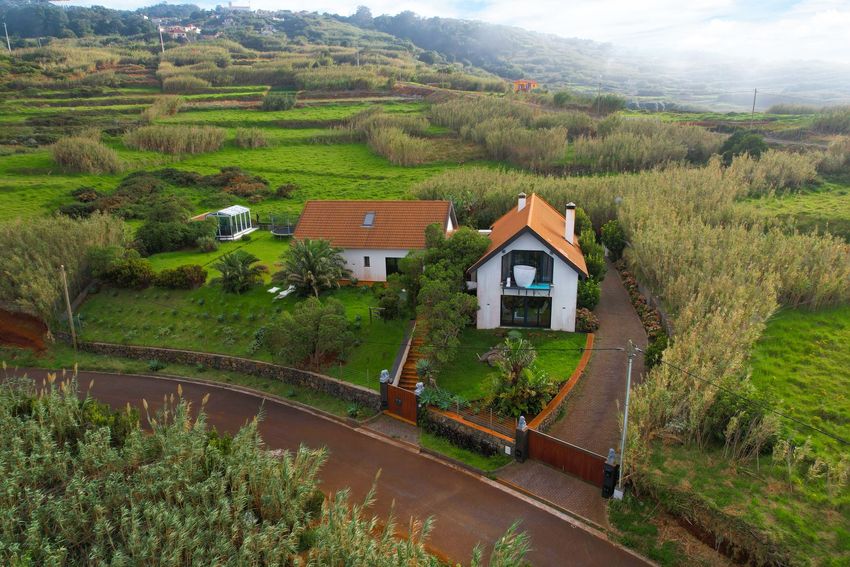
239	271
312	265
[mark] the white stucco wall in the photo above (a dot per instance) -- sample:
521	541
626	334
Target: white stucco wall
563	292
377	271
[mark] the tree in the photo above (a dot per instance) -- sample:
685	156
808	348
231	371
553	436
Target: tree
522	388
742	142
614	239
312	332
312	265
588	294
239	271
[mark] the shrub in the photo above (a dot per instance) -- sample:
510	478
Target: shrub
775	171
837	156
278	101
398	147
286	190
155	236
182	277
163	106
155	365
625	151
608	103
251	138
239	271
312	333
655	350
86	194
130	272
835	120
586	321
588	294
312	266
207	244
614	239
80	154
594	254
176	139
742	142
184	84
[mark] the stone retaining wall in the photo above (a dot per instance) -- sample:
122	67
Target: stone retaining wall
468	436
319	382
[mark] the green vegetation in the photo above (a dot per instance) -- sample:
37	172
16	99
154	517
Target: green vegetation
634	521
557	355
471	458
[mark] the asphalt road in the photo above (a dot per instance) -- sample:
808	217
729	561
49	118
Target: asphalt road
467	509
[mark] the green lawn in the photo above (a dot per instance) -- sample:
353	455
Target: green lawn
210	320
61	357
445	447
558	355
823	208
803	360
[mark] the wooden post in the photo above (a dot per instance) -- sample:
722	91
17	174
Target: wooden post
68	307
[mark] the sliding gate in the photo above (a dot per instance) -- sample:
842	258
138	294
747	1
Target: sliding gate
566	457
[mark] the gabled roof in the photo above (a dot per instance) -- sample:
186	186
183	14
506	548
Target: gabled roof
232	211
394	224
540	219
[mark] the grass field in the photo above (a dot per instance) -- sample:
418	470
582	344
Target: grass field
558	355
477	460
823	208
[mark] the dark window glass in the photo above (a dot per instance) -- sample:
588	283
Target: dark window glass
540	260
366	263
526	311
392	266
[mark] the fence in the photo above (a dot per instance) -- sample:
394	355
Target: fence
485	418
566	457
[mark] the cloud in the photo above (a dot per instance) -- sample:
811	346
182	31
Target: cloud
770	30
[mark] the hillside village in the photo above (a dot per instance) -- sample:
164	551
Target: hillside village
555	323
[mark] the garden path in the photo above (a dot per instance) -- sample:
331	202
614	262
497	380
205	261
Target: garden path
591	418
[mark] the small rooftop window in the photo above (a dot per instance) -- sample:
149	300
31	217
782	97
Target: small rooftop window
369	219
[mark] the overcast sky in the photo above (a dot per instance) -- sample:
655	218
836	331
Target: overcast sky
761	29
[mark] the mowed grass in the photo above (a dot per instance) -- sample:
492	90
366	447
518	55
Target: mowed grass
803	360
558	354
825	208
209	320
445	447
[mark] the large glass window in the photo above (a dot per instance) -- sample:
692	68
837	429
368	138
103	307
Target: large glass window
519	311
392	266
542	261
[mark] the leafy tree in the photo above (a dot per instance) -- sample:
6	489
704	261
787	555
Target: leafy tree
129	271
594	254
614	239
312	332
522	388
239	271
312	265
742	142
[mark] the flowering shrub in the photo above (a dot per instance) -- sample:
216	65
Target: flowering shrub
586	321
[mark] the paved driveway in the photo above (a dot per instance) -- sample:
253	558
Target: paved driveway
467	509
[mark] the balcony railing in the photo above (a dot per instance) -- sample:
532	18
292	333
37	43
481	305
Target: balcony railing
535	289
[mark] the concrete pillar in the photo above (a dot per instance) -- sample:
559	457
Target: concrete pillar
385	389
521	440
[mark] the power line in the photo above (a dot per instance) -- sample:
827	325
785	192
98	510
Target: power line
755	403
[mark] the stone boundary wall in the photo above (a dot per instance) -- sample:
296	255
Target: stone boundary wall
464	434
549	415
319	382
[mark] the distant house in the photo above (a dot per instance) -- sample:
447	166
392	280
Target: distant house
524	85
529	275
374	235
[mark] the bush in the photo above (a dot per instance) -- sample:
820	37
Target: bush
655	350
398	147
80	154
626	151
588	294
586	321
182	277
837	156
176	139
614	239
775	171
742	142
834	120
155	365
207	244
286	190
130	271
163	106
278	101
251	138
594	255
154	236
184	84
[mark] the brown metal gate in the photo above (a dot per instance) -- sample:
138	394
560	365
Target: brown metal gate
401	403
582	463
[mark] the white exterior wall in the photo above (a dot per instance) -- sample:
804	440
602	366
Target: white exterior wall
563	292
377	270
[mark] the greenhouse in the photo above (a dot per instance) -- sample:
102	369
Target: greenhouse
233	222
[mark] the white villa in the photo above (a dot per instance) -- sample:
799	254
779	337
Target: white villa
374	235
529	275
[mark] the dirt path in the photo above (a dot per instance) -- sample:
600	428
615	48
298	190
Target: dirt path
467	508
591	418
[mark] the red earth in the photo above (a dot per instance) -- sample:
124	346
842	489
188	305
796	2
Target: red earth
21	330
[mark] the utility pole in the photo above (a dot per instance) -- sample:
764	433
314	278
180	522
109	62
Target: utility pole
753	113
8	43
161	43
68	307
618	492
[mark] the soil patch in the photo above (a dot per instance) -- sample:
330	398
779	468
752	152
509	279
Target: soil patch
21	330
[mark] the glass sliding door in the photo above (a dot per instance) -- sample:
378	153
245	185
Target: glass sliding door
526	311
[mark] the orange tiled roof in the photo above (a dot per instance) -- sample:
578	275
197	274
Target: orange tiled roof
396	224
543	220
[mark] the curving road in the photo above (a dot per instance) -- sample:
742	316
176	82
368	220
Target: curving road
467	509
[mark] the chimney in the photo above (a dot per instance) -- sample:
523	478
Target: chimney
520	202
570	224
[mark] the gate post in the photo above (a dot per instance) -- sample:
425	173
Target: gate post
610	474
420	387
521	440
385	384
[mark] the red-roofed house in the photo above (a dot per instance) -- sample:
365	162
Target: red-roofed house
374	235
529	275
